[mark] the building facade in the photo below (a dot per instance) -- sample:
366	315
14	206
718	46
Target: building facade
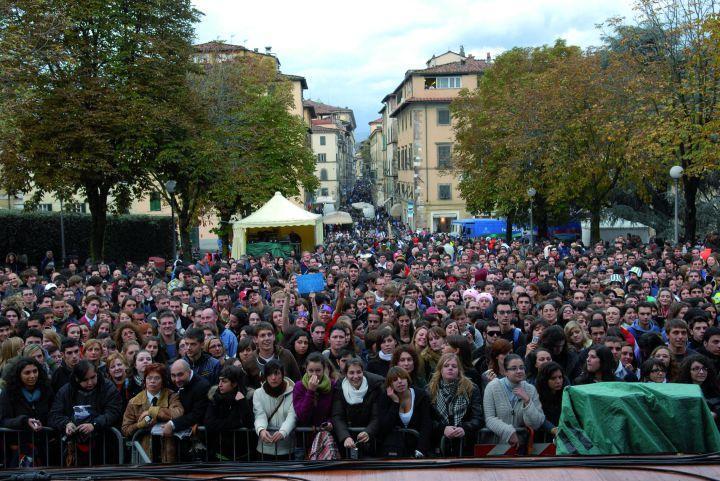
418	174
333	143
376	145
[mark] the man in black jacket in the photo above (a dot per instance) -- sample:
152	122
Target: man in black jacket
193	392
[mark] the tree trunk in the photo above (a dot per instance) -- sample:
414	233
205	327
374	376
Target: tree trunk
541	218
97	200
225	230
184	223
508	228
595	225
690	190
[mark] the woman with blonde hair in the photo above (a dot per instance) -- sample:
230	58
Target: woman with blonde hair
10	349
576	337
456	405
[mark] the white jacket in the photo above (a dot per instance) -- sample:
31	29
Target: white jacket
283	420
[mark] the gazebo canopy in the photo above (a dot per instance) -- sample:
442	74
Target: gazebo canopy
283	215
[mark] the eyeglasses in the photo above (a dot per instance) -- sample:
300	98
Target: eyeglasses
699	369
516	368
493	333
658	370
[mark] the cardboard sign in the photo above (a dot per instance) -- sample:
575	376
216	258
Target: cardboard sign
310	283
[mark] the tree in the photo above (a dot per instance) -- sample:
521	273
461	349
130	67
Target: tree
589	106
89	88
243	145
676	50
499	139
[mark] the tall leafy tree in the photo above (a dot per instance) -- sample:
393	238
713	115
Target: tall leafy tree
89	89
676	50
500	140
238	145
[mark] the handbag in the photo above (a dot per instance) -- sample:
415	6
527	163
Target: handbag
323	447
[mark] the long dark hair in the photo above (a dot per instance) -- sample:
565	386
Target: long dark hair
607	365
547	396
290	346
13	382
710	386
80	371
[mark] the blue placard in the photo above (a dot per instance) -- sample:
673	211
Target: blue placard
310	283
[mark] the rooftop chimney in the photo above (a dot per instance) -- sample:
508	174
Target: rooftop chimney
268	49
488	58
256	50
462	51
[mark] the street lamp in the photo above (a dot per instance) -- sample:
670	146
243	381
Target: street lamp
531	192
170	188
676	172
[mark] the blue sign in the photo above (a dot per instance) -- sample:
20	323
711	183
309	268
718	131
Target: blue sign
410	209
310	283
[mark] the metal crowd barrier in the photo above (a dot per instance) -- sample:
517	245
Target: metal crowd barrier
49	448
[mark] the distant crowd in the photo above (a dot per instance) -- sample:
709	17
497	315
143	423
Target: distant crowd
423	333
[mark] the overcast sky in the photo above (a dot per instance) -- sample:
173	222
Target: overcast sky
353	54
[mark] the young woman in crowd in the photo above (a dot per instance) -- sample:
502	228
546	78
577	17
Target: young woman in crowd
496	365
407	358
355	405
550	383
654	370
431	354
511	402
599	367
697	369
457	405
101	407
385	345
136	379
275	417
312	397
403	406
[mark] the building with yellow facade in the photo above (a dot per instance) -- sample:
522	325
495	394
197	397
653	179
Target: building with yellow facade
417	124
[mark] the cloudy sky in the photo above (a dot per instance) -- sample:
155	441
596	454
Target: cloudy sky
354	53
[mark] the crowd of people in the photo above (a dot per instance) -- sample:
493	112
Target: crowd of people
442	336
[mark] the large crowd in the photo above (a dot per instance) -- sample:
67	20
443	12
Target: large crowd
443	336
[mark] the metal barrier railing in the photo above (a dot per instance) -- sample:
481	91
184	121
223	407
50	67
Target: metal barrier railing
48	447
484	445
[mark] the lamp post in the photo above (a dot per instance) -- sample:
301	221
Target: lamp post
170	188
531	192
676	172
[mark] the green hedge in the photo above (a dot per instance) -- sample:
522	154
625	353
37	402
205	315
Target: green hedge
127	237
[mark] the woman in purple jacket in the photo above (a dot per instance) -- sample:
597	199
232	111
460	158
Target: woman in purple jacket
313	397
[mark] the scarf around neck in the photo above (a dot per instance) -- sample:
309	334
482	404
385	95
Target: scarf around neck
352	395
323	387
385	357
450	406
31	396
274	391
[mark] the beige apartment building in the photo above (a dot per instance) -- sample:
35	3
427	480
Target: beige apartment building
333	143
153	204
376	143
417	124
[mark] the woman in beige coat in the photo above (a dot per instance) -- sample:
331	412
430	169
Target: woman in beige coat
152	405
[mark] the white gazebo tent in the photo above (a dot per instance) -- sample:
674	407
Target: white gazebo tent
283	216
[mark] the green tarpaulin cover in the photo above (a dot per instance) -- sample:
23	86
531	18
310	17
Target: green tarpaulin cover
635	418
258	249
